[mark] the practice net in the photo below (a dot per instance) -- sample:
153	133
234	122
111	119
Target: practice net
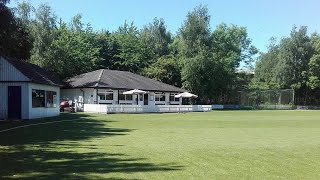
267	99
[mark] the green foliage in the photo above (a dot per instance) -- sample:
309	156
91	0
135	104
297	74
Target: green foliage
73	53
166	69
204	75
294	55
232	46
265	68
195	32
14	40
131	54
43	30
156	38
210	59
314	64
287	64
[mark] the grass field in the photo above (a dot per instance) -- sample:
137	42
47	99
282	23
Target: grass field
213	145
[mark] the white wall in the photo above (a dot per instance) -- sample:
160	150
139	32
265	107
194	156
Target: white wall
151	102
90	97
43	112
4	99
89	94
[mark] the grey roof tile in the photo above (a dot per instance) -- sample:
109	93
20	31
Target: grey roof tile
105	78
35	73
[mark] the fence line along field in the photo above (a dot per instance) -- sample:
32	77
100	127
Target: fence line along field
209	145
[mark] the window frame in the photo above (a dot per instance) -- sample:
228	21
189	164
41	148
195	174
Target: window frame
158	96
54	99
43	103
127	97
105	94
174	98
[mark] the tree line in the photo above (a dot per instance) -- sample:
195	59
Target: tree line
291	63
199	58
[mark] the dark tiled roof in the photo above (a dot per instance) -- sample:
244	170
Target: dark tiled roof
35	73
104	78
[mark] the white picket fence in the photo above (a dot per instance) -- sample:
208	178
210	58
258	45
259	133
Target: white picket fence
106	109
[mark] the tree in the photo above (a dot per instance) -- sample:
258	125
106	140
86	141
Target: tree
195	32
314	64
232	46
156	38
76	23
166	69
204	76
13	35
210	59
264	77
108	46
73	53
131	54
295	53
44	32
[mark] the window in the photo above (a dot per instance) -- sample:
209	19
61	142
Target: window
140	97
125	97
105	95
172	98
109	96
151	97
51	99
122	97
102	97
38	98
129	97
160	97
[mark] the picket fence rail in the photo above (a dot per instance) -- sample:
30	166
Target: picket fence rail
108	109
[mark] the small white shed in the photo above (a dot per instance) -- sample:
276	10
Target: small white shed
27	91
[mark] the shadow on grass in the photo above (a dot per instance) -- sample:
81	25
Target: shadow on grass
47	151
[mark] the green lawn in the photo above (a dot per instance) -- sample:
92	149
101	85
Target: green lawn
213	145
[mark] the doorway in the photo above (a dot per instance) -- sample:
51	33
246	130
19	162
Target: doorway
146	99
14	102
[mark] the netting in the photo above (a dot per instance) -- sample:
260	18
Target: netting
267	99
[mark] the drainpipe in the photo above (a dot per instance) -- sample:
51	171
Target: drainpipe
82	93
118	96
97	96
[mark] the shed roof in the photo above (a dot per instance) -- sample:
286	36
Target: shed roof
114	79
35	73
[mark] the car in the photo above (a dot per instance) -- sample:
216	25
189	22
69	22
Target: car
67	106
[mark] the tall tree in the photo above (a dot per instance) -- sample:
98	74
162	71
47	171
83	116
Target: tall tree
44	32
166	69
264	77
195	32
13	35
73	52
76	23
131	54
314	64
210	59
156	38
295	53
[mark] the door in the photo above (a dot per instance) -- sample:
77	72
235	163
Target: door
146	99
14	102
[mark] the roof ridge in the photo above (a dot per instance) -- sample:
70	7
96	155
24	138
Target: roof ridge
99	78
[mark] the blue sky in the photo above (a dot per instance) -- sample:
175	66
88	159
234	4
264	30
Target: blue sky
263	19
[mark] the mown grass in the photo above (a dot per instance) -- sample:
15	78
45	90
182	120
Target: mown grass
214	145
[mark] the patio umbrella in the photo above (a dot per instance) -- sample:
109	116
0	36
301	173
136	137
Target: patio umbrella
186	95
135	91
